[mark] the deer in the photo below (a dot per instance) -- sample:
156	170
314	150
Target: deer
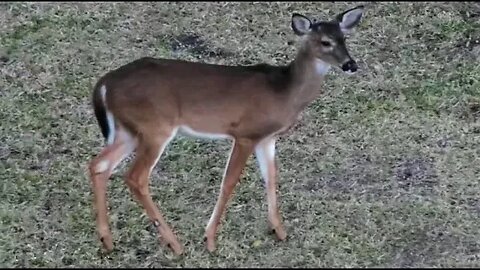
141	106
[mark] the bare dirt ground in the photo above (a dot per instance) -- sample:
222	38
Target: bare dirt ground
382	170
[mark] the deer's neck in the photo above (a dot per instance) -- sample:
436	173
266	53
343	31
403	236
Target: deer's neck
308	73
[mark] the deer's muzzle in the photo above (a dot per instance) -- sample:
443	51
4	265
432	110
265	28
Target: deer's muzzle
351	65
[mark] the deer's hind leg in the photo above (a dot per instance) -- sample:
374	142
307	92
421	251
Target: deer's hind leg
101	168
149	150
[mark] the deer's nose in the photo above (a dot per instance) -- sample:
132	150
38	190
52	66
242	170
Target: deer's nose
351	65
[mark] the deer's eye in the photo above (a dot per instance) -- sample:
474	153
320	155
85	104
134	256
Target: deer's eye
325	43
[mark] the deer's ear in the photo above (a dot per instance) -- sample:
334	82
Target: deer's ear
350	18
301	25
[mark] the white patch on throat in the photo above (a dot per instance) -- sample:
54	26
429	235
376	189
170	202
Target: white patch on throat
321	67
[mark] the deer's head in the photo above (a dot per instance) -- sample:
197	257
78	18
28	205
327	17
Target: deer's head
326	39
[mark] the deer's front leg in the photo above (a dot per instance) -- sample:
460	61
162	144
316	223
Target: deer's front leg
265	153
235	164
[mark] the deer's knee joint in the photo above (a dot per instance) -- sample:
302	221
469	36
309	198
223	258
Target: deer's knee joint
136	186
130	181
143	190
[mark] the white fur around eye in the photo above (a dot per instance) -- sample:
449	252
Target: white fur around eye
328	49
327	45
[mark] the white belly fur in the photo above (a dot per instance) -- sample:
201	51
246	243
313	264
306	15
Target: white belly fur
187	131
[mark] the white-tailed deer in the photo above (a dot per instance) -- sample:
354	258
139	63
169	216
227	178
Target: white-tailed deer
141	106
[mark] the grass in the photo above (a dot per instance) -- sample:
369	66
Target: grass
381	171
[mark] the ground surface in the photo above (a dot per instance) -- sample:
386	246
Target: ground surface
382	170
